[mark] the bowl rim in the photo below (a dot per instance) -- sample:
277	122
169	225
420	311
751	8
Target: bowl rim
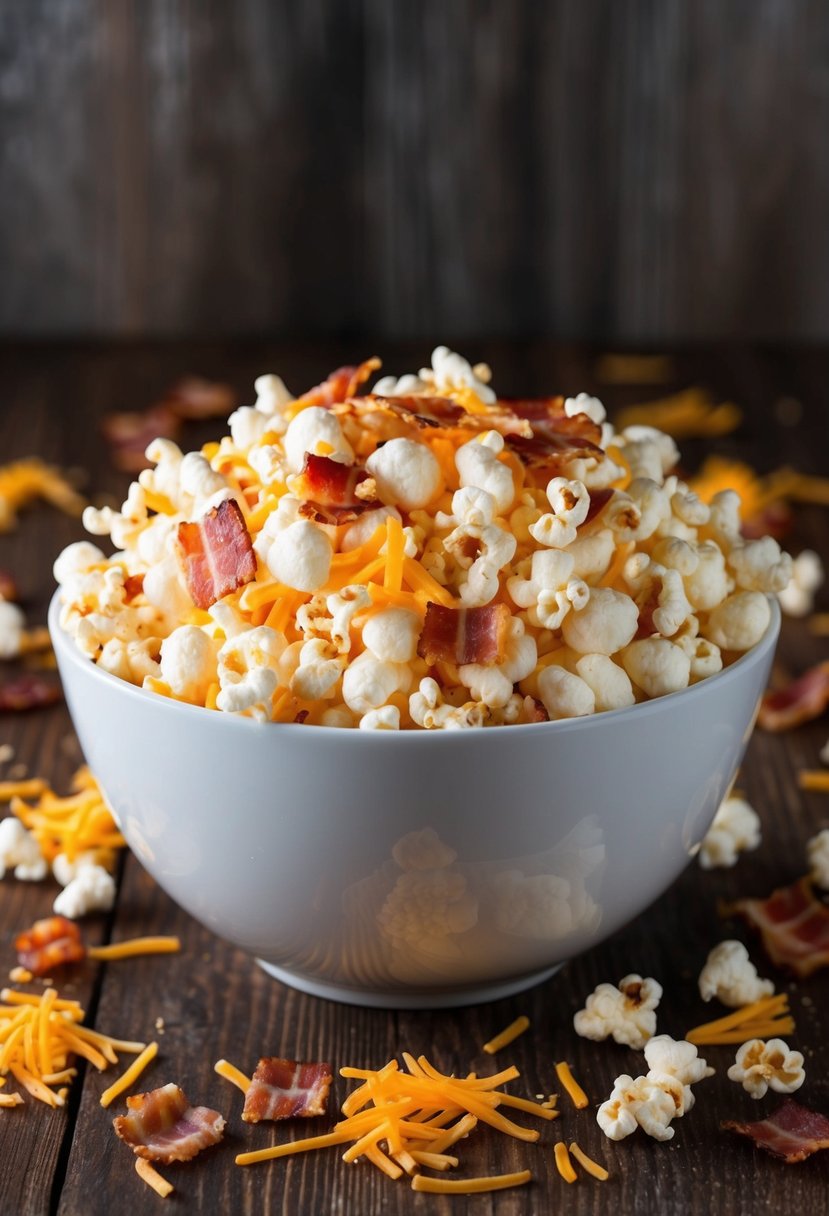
68	652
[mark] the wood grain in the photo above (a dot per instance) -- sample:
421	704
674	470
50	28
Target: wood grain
632	171
215	1002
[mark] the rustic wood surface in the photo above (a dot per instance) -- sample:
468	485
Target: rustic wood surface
602	170
215	1002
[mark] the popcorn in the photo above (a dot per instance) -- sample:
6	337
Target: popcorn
736	828
12	629
676	1058
605	625
448	499
797	598
817	850
20	851
92	890
189	663
318	431
406	473
761	1066
625	1012
478	465
640	1103
657	666
731	977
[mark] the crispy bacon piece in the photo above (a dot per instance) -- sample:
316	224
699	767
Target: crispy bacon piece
340	385
793	924
133	586
774	519
216	553
598	501
163	1126
546	416
551	451
329	490
8	587
129	433
194	399
793	1132
28	692
464	635
52	942
800	701
286	1089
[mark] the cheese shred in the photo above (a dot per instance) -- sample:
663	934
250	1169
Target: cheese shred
149	1174
587	1163
131	1075
574	1091
230	1073
768	1016
470	1186
815	780
508	1035
563	1163
135	946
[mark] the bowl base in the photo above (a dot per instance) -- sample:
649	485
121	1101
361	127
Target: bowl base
441	998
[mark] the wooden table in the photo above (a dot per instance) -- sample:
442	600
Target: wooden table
214	1001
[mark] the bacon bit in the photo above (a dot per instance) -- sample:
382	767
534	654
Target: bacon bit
800	701
536	710
793	925
128	434
8	587
792	1133
195	399
598	501
422	411
286	1089
329	482
28	691
551	451
464	635
775	519
163	1126
547	418
52	942
133	586
339	386
216	553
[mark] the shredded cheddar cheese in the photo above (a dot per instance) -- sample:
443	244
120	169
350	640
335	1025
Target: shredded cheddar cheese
39	1035
766	1017
232	1074
78	823
131	1075
563	1163
690	413
397	1119
508	1035
23	481
587	1163
135	946
147	1171
575	1092
814	780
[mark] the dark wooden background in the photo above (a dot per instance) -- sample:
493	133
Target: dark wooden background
617	170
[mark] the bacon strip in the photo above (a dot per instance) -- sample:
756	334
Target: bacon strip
598	501
8	586
195	399
340	385
329	490
27	692
793	1132
464	635
546	416
793	925
52	942
128	434
800	701
216	553
163	1126
286	1089
551	451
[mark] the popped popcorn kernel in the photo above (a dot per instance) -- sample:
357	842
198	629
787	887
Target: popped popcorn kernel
736	828
625	1012
761	1066
731	977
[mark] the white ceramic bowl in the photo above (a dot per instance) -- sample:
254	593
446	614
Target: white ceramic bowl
422	868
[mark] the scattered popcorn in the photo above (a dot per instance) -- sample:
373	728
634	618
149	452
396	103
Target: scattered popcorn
761	1066
654	1100
818	853
797	598
735	829
495	564
731	977
92	890
626	1013
20	851
12	628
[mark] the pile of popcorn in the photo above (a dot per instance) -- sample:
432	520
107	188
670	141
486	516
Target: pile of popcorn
654	591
